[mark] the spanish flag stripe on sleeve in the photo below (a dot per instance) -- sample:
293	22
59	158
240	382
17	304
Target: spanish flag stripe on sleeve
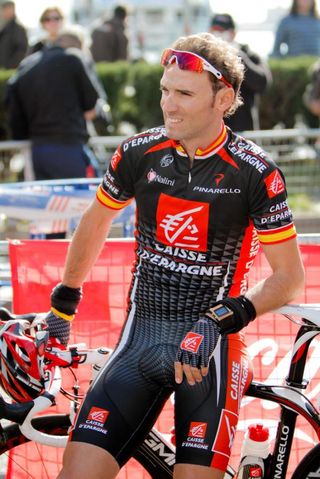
278	235
106	200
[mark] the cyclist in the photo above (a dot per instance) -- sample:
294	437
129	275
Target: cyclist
206	199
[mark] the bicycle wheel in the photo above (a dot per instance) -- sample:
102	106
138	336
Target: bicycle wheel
309	467
38	462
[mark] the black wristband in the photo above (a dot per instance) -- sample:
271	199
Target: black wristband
66	299
238	313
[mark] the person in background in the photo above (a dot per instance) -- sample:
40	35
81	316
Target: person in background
256	79
298	33
13	37
205	199
109	40
49	99
311	96
51	21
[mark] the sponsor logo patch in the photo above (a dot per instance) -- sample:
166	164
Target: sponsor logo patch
98	415
115	159
166	160
274	184
182	223
198	429
192	342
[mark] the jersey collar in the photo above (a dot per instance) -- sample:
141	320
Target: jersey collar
212	149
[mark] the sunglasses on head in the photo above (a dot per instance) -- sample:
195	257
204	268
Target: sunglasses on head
51	19
192	62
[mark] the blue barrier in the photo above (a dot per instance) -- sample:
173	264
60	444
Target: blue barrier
55	206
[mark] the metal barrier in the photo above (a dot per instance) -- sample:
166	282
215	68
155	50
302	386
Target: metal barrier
294	150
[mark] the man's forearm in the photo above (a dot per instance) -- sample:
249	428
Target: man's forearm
85	247
275	291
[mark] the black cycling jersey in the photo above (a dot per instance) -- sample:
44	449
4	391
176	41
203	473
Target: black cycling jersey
199	227
198	231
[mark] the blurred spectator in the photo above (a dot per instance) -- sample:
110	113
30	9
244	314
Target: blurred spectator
298	33
13	37
49	99
109	40
51	21
311	95
257	76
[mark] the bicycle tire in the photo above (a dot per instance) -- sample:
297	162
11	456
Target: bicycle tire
309	467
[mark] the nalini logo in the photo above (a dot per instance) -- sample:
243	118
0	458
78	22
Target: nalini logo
192	342
182	223
198	429
98	415
274	184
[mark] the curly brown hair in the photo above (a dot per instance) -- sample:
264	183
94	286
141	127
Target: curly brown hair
222	55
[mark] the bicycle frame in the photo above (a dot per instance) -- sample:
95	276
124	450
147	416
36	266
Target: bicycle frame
158	455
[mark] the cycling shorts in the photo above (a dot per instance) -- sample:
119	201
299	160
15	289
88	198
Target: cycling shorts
127	397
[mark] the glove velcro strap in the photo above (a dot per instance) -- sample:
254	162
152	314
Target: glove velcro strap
67	317
65	300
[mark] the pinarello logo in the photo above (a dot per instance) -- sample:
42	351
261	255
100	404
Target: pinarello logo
192	342
274	184
97	414
198	429
115	159
218	178
182	223
151	176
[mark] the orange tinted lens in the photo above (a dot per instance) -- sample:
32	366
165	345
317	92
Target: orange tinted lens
167	54
185	60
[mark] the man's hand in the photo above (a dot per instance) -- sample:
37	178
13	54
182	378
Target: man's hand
196	350
229	315
64	303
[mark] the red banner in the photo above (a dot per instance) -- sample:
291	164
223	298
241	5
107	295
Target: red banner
38	265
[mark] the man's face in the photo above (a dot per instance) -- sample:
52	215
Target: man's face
7	12
187	104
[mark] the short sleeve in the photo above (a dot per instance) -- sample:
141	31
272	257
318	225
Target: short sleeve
117	188
269	209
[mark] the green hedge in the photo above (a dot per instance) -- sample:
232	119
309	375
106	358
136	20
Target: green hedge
134	95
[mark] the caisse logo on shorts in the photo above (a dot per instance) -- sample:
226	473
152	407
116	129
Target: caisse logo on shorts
192	342
182	223
198	429
97	414
196	436
274	184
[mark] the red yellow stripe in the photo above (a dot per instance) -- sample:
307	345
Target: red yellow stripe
108	201
278	235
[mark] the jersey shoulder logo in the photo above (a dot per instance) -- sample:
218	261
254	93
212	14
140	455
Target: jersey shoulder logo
274	184
182	223
115	159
